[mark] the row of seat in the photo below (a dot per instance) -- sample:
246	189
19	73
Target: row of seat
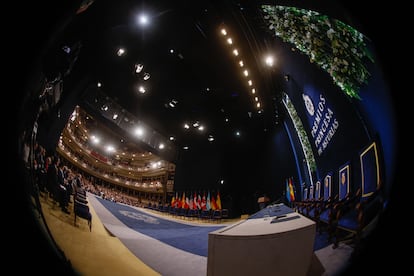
215	215
351	213
354	207
81	208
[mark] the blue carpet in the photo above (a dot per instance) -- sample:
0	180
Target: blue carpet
321	241
193	239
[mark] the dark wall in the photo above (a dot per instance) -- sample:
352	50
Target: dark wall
378	110
252	165
360	121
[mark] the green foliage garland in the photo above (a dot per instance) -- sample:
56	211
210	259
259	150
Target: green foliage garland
303	137
336	47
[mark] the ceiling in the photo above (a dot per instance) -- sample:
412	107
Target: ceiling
188	60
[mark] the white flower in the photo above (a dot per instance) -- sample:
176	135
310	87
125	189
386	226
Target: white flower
329	33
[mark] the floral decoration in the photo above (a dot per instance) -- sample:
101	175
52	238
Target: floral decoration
333	45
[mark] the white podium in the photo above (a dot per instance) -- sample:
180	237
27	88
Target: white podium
274	241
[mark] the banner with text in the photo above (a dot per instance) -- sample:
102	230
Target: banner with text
321	118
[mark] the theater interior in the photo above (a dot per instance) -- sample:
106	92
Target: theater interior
208	114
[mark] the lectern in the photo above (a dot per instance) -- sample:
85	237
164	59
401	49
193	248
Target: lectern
274	241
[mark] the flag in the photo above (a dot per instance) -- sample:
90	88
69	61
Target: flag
218	201
187	202
178	202
195	201
203	202
183	201
190	203
287	190
291	191
208	206
199	202
213	203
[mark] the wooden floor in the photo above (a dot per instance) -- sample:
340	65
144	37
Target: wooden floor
90	253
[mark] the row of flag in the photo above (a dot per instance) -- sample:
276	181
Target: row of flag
197	201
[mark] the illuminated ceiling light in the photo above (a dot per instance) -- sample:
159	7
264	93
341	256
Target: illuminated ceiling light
201	128
196	124
110	148
115	116
256	99
120	52
105	107
235	52
241	63
229	41
269	61
207	89
210	138
250	82
186	147
153	165
186	126
253	90
172	138
258	105
226	120
172	103
95	139
222	181
139	131
141	89
246	73
161	146
237	133
223	31
143	19
171	51
146	76
138	68
99	84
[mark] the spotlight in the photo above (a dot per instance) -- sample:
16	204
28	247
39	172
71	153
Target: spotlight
287	77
